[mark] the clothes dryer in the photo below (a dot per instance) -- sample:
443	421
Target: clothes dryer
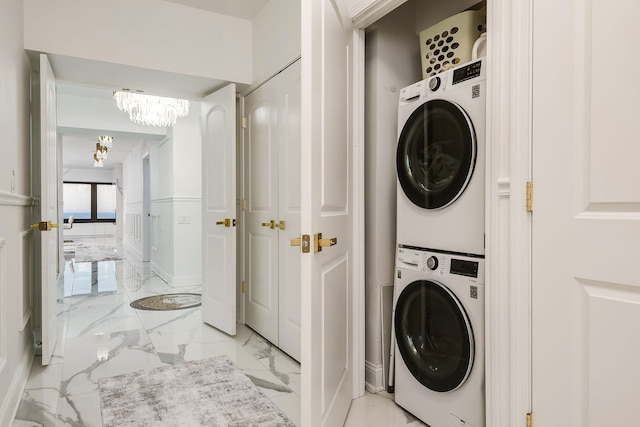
440	161
439	330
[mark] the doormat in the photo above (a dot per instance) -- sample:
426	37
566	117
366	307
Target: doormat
168	302
210	392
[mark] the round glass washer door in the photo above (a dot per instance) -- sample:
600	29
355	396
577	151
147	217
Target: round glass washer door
436	154
434	335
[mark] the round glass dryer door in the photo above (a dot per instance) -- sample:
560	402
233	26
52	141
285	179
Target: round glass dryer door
434	335
436	154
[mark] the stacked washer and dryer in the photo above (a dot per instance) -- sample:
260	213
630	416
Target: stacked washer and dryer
439	284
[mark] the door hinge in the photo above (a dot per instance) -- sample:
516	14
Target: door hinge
529	196
529	420
243	205
244	123
244	287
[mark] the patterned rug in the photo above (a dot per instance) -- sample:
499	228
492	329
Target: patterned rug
168	302
96	253
210	392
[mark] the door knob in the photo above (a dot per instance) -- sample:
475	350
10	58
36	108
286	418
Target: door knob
271	224
226	222
320	243
281	225
302	241
44	225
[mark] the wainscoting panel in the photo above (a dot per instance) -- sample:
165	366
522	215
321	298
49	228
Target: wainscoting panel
25	278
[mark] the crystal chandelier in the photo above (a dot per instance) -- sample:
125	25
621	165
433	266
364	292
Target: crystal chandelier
101	152
105	141
97	163
151	110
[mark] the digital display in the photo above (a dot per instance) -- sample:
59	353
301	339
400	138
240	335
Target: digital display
464	268
468	72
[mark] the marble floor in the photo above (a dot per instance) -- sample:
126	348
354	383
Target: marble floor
100	335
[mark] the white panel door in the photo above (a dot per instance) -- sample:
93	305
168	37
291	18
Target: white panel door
46	190
327	299
586	218
261	215
289	209
218	122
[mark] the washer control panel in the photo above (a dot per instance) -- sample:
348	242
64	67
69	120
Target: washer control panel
439	264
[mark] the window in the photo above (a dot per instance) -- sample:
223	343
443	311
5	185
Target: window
89	201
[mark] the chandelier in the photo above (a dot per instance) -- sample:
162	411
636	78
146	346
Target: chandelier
151	110
105	141
102	151
97	162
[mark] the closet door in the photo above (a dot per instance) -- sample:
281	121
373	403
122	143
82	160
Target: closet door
289	209
261	216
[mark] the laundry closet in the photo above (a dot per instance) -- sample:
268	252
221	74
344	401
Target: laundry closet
271	209
392	62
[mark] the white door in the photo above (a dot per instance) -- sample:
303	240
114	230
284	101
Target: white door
218	123
46	212
327	299
261	215
586	218
289	210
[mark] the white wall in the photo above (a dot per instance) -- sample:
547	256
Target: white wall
150	34
187	199
16	345
392	62
276	38
93	112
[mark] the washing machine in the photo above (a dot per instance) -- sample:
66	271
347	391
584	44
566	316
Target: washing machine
439	331
440	161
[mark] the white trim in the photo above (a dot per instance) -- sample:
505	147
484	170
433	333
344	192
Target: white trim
374	377
3	303
10	405
358	202
13	199
508	225
365	16
173	199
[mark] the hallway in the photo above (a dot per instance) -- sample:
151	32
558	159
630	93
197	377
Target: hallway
100	335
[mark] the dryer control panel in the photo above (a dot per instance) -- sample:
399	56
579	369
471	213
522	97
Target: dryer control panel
439	263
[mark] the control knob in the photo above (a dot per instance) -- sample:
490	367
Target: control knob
434	83
432	262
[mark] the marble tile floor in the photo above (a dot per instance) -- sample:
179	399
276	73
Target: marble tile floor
100	335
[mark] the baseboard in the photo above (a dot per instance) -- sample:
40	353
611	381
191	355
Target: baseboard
168	278
373	377
186	280
14	396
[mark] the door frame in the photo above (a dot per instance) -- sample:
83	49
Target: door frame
507	223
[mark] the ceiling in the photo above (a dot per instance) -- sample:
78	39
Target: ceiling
84	77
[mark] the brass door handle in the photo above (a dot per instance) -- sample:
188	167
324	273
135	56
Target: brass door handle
323	243
226	222
302	241
44	225
281	225
271	224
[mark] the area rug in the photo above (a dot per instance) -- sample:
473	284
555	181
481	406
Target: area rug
210	392
97	253
168	302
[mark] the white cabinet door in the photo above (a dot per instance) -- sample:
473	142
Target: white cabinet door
261	215
218	123
46	190
586	218
289	209
326	278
